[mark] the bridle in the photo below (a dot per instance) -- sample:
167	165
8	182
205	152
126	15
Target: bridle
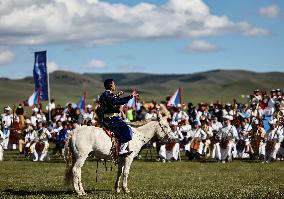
162	126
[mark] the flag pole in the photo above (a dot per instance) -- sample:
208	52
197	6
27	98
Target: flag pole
180	99
48	90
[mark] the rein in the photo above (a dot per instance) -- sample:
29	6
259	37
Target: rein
162	127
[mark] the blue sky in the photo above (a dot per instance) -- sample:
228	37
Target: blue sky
175	36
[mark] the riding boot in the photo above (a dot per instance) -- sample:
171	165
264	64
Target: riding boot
123	149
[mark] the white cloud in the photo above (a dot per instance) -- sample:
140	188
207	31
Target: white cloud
248	30
95	63
201	46
6	57
94	22
271	11
52	66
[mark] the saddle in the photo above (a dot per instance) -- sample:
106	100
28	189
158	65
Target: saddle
115	145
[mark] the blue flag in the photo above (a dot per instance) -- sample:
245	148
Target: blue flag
40	75
82	103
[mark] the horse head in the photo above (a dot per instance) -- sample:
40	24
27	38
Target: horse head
165	132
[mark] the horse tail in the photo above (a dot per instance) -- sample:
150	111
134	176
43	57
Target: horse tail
69	157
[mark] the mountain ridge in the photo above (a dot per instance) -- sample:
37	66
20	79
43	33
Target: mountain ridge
202	86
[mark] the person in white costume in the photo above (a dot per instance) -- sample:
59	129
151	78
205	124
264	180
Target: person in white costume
228	135
179	114
258	135
243	145
7	119
29	136
275	137
227	110
41	136
215	124
194	148
89	114
171	151
184	129
215	143
209	133
1	145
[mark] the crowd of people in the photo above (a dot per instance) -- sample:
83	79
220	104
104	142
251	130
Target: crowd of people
215	131
223	132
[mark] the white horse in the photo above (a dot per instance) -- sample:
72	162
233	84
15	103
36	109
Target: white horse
86	139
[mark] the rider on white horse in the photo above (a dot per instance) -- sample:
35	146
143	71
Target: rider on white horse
110	109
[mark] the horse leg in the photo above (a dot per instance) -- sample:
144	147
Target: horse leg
77	175
127	164
119	172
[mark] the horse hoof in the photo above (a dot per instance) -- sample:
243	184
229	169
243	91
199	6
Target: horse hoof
117	190
126	190
82	193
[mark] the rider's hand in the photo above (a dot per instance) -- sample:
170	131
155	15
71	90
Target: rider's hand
120	93
134	93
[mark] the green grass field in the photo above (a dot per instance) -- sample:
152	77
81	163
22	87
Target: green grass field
21	178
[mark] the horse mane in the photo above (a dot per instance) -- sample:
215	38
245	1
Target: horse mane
137	124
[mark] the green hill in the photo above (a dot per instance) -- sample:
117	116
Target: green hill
204	86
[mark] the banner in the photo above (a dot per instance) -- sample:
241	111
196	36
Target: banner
82	103
175	99
40	75
34	99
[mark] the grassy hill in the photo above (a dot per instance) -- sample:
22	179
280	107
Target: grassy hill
204	86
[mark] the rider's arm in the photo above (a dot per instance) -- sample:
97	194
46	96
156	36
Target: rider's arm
120	101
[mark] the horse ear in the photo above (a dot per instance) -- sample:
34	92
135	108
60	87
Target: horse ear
159	115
